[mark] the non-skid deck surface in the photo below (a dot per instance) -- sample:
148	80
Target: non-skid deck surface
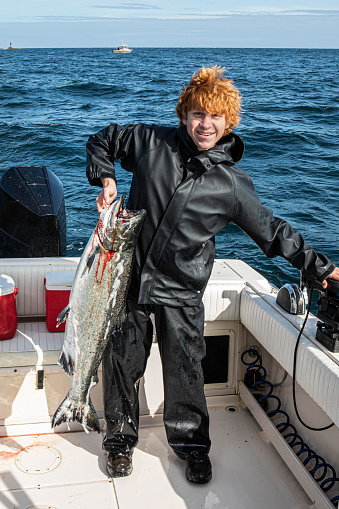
68	470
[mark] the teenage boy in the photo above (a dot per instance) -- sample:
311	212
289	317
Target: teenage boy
187	180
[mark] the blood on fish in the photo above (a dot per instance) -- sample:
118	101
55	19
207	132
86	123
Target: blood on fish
114	237
109	278
100	223
93	242
105	258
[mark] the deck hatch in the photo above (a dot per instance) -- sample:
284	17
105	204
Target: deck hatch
38	460
215	364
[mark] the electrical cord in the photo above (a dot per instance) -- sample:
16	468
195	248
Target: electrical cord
294	371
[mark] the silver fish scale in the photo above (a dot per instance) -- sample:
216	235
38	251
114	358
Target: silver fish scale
99	301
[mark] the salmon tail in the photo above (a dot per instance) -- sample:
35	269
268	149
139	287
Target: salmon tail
76	411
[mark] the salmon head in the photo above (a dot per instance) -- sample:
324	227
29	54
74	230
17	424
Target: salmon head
118	228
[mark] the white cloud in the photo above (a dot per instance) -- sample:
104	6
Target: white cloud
189	14
129	6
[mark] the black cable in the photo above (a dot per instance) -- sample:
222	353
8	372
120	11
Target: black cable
255	368
294	371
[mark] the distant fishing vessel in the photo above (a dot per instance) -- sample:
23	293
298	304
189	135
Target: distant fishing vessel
10	46
123	48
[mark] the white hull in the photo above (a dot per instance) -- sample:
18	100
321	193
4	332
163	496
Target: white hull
122	49
253	466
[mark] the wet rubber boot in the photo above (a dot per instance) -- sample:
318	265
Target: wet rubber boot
119	465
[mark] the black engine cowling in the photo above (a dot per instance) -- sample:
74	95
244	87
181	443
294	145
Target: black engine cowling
32	213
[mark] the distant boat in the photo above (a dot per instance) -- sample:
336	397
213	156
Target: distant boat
10	46
123	48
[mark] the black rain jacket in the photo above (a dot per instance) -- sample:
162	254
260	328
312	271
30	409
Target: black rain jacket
189	197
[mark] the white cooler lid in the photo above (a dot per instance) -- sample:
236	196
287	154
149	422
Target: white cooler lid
7	285
59	279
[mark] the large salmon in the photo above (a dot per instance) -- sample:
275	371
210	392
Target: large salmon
96	307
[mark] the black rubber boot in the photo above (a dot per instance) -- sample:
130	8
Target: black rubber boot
119	465
199	470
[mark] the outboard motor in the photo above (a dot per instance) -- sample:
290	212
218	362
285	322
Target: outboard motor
32	213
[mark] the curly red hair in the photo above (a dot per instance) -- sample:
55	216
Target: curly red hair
210	91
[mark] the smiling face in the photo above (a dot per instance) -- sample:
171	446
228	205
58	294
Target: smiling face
205	129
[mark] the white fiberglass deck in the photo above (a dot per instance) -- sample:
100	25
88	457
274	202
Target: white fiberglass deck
40	469
247	471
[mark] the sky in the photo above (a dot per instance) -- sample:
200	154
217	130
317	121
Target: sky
174	23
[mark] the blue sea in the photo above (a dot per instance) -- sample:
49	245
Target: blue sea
51	100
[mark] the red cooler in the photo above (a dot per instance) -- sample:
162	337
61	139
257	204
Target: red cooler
58	286
8	316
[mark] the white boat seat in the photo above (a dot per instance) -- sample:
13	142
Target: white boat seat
32	345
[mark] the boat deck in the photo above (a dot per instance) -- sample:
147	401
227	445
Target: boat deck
68	470
40	469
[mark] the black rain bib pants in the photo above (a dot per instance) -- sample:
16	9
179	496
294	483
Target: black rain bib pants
182	347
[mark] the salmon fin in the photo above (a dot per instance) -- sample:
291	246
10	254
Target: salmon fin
76	411
89	261
63	315
66	362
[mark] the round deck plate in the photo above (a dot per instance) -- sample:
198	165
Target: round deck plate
38	460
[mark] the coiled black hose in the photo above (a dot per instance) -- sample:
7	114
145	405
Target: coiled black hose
321	471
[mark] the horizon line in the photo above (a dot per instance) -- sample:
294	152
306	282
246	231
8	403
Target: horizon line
173	47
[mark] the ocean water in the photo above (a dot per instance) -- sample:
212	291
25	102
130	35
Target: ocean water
51	100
